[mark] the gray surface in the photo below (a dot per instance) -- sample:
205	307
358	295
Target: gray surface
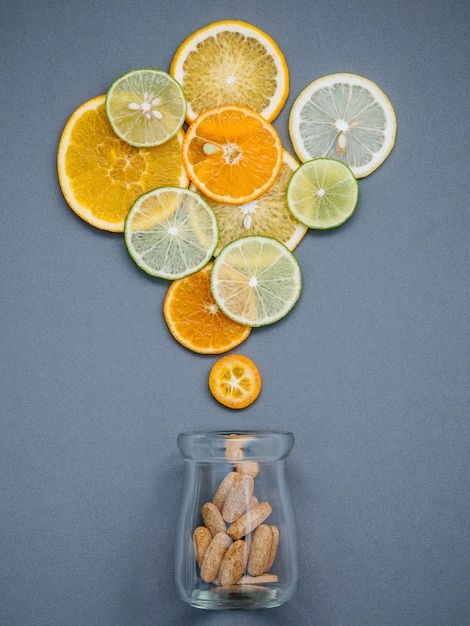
370	370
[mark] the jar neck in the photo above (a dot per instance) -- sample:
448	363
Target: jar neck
264	445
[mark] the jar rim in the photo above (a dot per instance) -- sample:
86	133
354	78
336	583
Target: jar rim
227	445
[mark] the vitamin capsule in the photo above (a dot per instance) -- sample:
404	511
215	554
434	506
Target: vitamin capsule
234	563
212	518
238	498
213	557
249	520
201	540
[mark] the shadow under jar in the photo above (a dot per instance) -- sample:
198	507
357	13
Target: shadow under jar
236	545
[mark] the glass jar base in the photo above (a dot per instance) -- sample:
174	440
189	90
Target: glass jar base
236	597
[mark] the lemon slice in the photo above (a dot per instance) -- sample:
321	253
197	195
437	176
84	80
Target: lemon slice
322	193
256	280
146	107
267	215
345	117
231	62
170	232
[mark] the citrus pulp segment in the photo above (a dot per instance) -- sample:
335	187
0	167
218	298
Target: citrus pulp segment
235	381
267	215
256	280
146	107
170	232
231	62
101	176
232	154
345	117
195	320
322	193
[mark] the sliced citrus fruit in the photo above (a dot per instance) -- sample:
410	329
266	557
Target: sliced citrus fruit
322	193
345	117
231	62
235	381
101	176
232	154
256	280
170	232
146	107
195	320
267	215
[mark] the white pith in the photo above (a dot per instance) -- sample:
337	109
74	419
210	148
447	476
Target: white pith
148	107
232	153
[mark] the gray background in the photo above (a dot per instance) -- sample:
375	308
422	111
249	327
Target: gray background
370	370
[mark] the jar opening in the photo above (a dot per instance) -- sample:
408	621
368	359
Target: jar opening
229	445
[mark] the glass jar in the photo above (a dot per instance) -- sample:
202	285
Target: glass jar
236	545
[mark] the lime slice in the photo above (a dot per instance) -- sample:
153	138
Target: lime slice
146	107
256	280
322	193
170	232
345	117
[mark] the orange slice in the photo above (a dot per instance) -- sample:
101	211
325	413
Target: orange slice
195	320
232	154
101	176
231	62
235	381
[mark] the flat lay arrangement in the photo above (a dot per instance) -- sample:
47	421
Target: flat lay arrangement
235	302
228	173
126	160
